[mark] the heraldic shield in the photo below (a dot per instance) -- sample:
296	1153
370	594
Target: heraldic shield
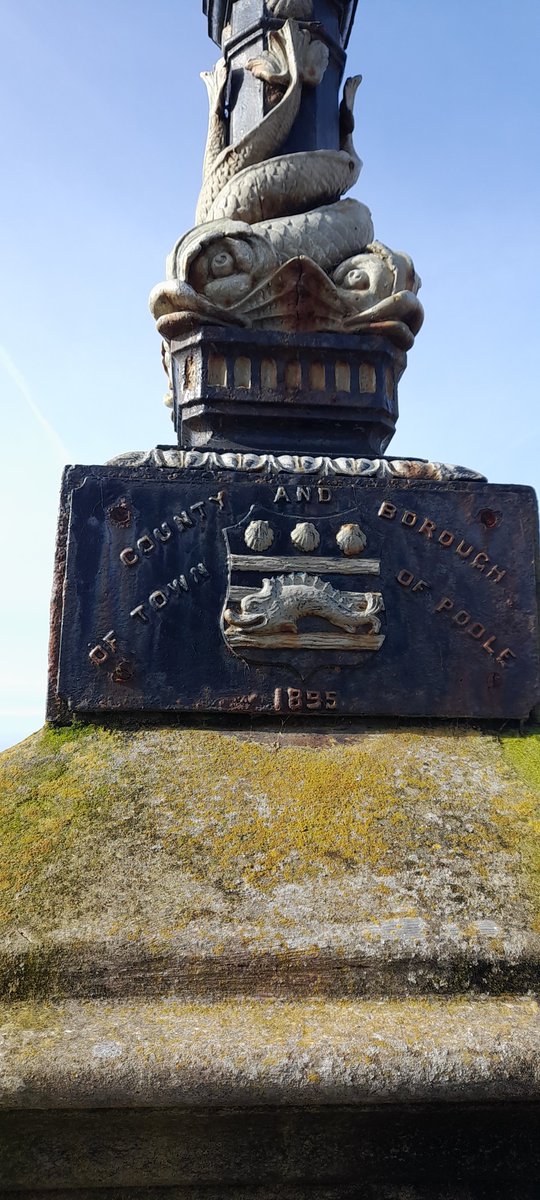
297	590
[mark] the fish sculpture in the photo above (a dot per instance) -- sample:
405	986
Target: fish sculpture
284	599
275	245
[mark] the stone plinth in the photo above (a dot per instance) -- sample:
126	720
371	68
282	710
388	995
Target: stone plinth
270	963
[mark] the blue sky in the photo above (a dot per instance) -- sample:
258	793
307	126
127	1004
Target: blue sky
104	122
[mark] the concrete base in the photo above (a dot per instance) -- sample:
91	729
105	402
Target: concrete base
270	963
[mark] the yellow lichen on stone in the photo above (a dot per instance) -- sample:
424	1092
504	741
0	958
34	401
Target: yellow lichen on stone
145	833
265	812
259	1052
55	788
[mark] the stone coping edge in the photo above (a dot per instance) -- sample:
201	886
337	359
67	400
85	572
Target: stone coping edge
97	1054
397	968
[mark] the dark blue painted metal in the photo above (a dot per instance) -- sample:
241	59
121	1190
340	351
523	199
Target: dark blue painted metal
249	23
157	560
324	412
219	14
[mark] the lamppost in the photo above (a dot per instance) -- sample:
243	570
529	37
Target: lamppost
285	323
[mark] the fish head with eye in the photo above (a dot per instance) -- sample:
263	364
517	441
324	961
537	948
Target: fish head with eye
212	270
376	274
228	267
368	276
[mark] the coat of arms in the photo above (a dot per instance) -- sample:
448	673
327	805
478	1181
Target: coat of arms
298	585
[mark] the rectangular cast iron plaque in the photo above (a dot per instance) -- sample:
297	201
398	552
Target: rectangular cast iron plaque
215	591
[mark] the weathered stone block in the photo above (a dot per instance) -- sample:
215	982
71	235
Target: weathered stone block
268	964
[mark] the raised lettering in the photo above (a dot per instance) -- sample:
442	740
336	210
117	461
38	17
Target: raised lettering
145	544
281	495
409	519
428	527
505	656
462	618
445	603
487	645
183	521
421	586
199	572
496	574
480	561
178	584
139	612
296	700
324	494
303	493
387	510
199	507
219	500
164	534
446	538
464	552
98	656
405	578
476	631
111	641
129	557
158	599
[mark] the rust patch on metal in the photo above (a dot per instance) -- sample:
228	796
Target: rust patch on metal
120	514
489	519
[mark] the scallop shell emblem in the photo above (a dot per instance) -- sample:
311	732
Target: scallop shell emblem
351	540
305	537
259	535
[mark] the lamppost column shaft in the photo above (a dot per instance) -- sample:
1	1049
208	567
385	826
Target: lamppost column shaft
244	27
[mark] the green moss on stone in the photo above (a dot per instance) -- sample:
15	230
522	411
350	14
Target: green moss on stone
54	737
523	754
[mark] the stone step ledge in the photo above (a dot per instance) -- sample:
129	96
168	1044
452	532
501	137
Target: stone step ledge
98	1054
